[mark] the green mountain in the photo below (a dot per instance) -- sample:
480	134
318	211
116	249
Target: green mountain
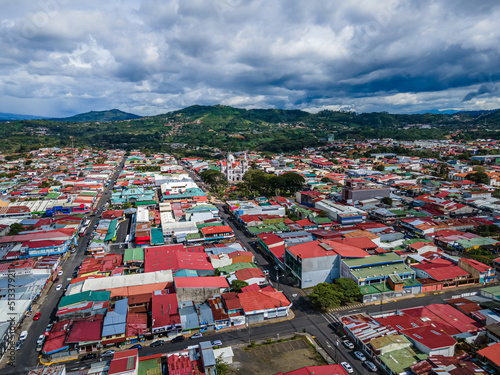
204	130
100	116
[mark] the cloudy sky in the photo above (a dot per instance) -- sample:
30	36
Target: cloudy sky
62	57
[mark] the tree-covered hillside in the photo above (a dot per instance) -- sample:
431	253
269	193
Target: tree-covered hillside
234	129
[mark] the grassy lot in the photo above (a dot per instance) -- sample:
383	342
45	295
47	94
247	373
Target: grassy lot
269	359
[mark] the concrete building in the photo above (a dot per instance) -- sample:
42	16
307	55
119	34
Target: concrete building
359	189
340	213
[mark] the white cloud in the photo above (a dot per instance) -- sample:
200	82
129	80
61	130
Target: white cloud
152	56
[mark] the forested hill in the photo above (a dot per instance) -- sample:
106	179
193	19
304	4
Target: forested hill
100	116
233	129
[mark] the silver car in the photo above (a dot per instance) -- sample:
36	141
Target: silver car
360	356
371	366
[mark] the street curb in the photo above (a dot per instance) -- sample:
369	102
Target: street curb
72	358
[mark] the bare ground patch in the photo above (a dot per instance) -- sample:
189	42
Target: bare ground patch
270	359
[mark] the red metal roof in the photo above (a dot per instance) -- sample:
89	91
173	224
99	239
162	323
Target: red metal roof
253	301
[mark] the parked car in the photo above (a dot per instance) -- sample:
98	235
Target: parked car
40	339
39	347
23	335
370	366
360	356
198	335
347	367
18	345
37	316
107	353
60	273
58	287
217	343
348	344
157	343
136	346
56	280
88	356
177	339
49	327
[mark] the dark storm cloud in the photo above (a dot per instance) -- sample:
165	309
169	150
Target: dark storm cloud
152	56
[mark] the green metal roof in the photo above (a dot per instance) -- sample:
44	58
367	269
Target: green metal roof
111	230
235	267
493	290
136	253
192	236
322	220
95	296
157	236
411	282
52	195
381	271
203	225
372	259
400	360
145	203
93	193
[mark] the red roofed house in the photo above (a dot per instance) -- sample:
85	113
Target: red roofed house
177	257
251	276
199	289
219	232
478	270
430	341
441	272
259	306
274	245
85	335
492	355
165	313
125	362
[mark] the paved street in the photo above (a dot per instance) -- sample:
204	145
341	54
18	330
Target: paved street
27	357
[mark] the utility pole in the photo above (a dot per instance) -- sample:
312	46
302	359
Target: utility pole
277	277
249	330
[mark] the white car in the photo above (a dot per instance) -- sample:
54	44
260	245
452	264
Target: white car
40	339
347	367
217	343
59	287
23	335
360	356
60	273
348	344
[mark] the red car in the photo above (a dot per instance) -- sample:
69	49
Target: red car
37	316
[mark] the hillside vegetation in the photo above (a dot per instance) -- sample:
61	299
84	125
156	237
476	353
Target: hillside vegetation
233	129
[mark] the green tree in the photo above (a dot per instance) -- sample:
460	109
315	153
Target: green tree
387	201
16	228
221	367
496	193
257	181
293	181
322	213
479	168
478	177
236	285
214	178
380	167
324	296
326	180
349	289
